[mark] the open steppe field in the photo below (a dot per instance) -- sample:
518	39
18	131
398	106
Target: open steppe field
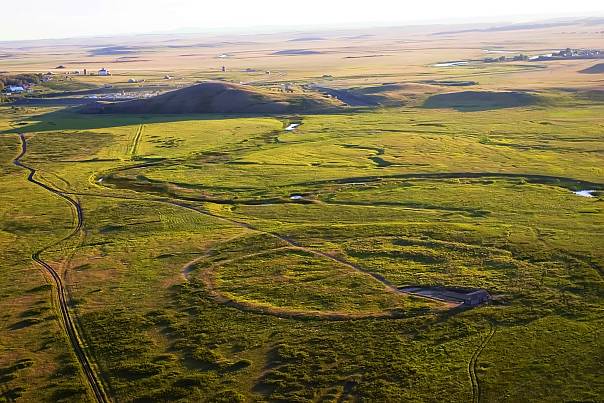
269	257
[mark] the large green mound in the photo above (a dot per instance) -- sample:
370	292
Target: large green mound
595	69
480	100
215	97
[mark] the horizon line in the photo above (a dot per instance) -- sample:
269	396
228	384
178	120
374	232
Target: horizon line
279	29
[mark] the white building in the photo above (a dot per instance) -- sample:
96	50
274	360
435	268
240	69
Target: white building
104	72
15	89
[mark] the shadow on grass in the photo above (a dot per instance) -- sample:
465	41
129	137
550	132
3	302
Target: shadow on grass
24	323
71	119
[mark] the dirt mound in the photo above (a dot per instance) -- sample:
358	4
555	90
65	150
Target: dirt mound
480	100
595	69
215	97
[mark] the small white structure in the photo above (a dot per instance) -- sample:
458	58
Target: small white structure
132	80
104	72
585	193
15	89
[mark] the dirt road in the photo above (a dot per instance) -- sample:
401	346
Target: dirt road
92	378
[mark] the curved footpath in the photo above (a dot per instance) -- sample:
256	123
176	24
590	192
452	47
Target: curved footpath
71	330
290	243
476	391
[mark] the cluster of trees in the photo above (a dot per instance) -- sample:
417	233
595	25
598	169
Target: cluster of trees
517	58
19	80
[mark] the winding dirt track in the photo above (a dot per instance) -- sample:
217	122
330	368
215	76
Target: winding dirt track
476	392
293	244
389	287
71	330
281	312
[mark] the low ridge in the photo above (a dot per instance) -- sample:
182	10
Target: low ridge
481	100
595	69
216	97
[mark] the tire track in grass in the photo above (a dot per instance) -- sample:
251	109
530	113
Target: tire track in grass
71	330
388	286
136	141
281	312
476	391
252	308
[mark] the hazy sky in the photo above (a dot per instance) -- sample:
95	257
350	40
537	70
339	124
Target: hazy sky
31	19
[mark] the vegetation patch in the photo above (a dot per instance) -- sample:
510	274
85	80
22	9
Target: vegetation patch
480	100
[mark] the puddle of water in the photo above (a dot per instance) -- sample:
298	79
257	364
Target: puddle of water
292	127
538	56
585	193
450	64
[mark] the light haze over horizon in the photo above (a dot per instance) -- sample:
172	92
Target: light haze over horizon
40	19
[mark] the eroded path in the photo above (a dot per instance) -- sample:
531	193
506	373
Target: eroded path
71	330
207	276
476	392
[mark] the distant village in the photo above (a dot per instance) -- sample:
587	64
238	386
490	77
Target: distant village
566	54
572	54
20	83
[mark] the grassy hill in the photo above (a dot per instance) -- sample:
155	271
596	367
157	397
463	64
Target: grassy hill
217	97
595	69
481	100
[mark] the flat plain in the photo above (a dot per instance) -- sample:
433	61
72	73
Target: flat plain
223	258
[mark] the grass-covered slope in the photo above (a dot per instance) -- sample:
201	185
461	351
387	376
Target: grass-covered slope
481	100
216	97
595	69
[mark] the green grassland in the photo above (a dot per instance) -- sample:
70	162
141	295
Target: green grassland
197	277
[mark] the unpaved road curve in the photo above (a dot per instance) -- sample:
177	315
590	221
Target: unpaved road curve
379	278
389	287
92	378
476	392
290	244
